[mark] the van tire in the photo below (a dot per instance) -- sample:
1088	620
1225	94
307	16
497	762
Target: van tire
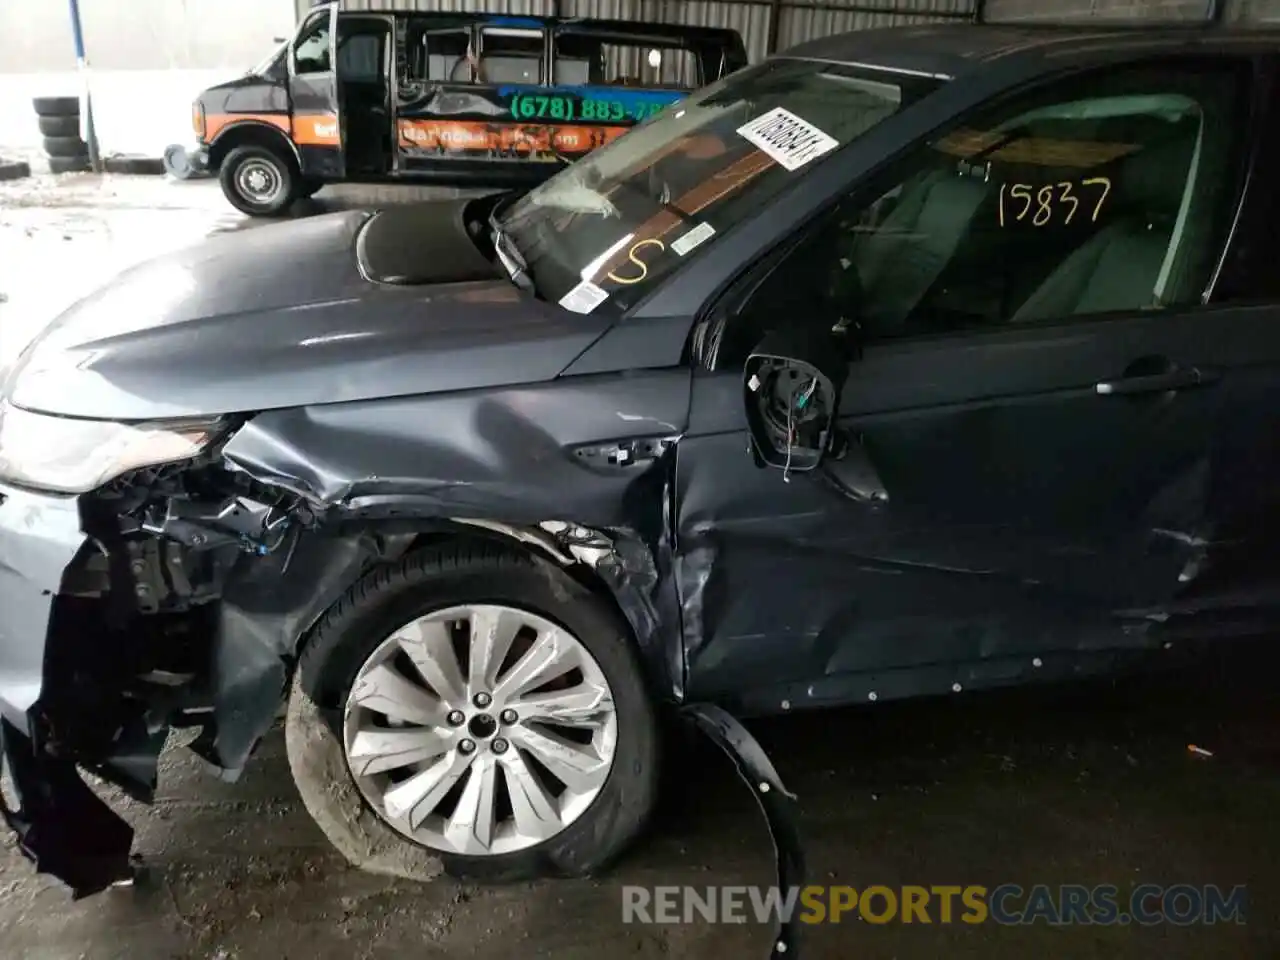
56	106
65	147
59	126
426	580
272	168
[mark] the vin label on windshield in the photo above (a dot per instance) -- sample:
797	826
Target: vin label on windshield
584	298
787	139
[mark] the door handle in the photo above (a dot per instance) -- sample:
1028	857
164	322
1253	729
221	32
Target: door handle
1182	378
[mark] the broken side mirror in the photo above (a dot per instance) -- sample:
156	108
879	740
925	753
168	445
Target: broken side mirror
792	383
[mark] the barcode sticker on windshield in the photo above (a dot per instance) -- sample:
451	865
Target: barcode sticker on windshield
584	298
694	238
786	138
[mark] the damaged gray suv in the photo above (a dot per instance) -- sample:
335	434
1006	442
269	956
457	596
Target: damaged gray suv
905	363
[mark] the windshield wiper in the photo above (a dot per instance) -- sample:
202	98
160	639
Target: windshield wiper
671	208
509	255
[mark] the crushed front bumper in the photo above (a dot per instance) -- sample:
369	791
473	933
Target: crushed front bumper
94	670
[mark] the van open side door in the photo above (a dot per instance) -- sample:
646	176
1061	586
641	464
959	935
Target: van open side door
314	96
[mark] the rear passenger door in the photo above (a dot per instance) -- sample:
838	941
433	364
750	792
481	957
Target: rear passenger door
1040	384
1244	499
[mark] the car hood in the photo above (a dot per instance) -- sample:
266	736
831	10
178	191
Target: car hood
282	316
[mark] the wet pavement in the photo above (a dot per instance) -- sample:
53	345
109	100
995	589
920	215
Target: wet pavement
1084	784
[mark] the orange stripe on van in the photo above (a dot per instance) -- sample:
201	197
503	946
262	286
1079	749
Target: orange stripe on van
215	123
512	138
316	130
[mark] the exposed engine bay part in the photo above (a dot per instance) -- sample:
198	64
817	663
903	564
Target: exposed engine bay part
776	803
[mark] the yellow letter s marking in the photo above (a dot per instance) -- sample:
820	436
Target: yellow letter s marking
644	267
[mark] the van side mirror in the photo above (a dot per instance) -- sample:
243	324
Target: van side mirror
791	385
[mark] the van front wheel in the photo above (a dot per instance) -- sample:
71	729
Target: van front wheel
258	181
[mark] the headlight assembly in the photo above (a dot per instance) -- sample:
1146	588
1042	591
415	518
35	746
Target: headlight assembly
63	455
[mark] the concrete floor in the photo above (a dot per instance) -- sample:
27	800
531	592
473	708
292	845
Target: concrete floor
1085	784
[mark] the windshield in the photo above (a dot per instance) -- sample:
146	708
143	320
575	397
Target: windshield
606	228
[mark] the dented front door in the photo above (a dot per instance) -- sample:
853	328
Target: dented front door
1030	510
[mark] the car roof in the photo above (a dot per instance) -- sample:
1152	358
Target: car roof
951	50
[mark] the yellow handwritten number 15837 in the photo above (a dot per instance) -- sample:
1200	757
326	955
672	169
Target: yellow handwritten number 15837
1052	202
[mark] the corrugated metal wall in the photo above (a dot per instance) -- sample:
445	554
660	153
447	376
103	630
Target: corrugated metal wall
765	25
768	25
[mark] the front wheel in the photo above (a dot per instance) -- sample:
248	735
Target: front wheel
479	710
258	181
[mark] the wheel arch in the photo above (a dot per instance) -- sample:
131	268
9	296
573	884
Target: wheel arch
245	133
614	565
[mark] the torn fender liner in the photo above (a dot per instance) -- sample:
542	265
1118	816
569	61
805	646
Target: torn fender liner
776	803
268	603
63	827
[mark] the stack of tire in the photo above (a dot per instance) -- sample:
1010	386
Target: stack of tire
59	119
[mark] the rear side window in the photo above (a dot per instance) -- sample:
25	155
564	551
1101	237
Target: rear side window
511	55
443	56
641	65
590	59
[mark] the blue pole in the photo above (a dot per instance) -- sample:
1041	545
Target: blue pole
82	67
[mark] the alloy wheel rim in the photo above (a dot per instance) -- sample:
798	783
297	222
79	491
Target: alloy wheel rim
480	730
259	181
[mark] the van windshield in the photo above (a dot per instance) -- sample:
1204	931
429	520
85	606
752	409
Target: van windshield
607	227
269	60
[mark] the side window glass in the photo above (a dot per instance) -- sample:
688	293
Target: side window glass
644	65
578	60
445	56
586	58
510	55
311	52
1092	196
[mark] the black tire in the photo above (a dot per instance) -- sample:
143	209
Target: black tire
65	147
68	164
135	166
14	170
56	106
389	597
60	126
280	166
